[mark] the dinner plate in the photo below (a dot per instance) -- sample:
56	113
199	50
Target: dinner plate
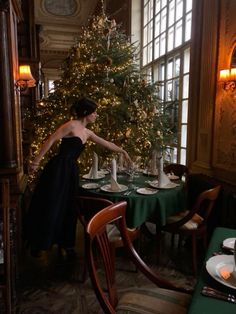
222	263
146	191
103	171
100	176
229	243
171	185
90	186
107	188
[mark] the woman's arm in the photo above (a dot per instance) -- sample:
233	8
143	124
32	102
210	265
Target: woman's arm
57	135
109	145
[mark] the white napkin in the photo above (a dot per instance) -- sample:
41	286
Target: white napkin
153	166
114	185
93	172
162	177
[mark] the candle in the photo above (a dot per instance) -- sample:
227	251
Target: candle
113	168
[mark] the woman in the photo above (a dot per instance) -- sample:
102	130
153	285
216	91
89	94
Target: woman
52	218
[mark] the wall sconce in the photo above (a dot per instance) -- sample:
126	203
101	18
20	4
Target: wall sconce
228	78
26	79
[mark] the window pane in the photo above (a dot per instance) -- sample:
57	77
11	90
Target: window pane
189	5
185	86
177	66
157	25
184	111
145	15
169	89
162	71
188	24
170	69
183	156
158	6
171	39
179	9
186	60
150	30
178	34
157	48
163	44
171	13
150	52
145	36
176	90
144	56
163	20
163	3
184	135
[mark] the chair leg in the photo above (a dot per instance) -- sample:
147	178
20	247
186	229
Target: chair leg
194	255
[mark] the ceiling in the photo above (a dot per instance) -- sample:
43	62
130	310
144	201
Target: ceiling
60	22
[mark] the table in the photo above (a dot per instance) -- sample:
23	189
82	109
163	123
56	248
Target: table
207	305
141	208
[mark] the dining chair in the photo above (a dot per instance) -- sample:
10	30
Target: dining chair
191	223
163	297
178	170
88	206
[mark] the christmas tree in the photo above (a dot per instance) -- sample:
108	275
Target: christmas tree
103	65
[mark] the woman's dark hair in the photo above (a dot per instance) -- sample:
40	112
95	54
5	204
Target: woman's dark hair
83	107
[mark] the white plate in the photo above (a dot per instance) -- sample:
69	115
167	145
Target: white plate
103	171
218	263
229	243
171	185
107	188
100	176
146	191
90	186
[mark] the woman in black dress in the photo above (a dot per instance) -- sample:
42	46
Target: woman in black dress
52	218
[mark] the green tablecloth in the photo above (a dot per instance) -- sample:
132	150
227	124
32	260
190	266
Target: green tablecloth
206	305
141	208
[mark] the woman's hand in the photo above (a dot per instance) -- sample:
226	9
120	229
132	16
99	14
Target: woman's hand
127	157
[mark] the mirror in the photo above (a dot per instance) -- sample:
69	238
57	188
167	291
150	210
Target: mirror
233	59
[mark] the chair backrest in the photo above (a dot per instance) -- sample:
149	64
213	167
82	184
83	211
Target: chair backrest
178	169
88	206
206	201
96	233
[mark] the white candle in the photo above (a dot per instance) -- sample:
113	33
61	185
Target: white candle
95	166
113	168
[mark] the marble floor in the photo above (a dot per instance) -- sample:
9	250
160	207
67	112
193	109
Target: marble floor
52	283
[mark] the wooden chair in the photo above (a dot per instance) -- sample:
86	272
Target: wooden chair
5	268
177	169
88	206
165	298
192	223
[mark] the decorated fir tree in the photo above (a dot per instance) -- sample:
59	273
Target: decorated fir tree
103	65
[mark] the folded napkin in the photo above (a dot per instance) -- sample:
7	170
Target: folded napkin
162	177
93	172
153	164
114	184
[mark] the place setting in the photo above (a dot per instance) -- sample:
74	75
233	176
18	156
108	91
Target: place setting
222	267
164	180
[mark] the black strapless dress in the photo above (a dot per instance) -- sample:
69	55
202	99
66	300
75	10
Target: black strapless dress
52	218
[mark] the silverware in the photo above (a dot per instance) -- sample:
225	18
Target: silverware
211	292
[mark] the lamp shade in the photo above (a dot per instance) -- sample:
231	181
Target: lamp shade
25	73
